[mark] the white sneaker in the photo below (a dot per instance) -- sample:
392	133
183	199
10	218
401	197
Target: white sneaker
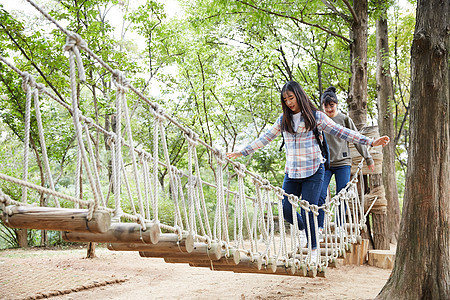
314	254
320	237
303	239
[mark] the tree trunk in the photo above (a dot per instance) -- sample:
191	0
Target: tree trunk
379	221
421	269
22	238
357	97
385	95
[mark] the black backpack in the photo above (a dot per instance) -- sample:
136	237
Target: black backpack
322	144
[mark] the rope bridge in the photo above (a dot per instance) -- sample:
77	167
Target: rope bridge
232	223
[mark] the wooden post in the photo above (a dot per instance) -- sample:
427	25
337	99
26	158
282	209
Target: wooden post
49	218
118	233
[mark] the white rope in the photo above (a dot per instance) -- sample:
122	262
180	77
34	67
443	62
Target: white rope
200	186
37	110
147	188
77	126
97	177
27	88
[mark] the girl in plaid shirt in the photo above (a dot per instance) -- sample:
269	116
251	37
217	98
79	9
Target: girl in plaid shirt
304	170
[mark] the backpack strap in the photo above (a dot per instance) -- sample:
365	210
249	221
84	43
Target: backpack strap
282	143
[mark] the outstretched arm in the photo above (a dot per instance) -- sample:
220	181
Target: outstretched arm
234	155
381	141
260	142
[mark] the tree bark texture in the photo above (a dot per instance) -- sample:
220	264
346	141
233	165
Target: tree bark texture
91	250
357	97
22	237
385	95
421	269
379	221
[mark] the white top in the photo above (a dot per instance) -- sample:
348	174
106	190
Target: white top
296	120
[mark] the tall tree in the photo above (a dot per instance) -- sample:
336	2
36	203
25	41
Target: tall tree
385	97
357	98
422	264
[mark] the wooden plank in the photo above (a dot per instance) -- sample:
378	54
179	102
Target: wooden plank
118	233
232	259
200	251
167	243
51	218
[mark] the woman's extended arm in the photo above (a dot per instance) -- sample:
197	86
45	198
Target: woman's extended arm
329	126
260	142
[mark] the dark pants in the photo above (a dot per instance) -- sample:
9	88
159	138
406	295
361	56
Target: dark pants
342	177
309	189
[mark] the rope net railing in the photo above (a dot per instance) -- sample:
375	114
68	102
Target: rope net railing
241	213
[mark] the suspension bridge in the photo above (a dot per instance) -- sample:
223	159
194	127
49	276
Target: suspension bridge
242	231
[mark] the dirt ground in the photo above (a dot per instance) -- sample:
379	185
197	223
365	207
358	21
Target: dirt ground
66	274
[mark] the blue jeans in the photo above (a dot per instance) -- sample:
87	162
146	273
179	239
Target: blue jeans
342	177
309	189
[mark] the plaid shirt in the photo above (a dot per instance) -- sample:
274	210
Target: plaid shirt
303	155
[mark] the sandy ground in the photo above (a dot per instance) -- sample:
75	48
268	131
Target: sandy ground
35	273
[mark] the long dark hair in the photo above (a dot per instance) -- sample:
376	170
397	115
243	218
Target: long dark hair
307	108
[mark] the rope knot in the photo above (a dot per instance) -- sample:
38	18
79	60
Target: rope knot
305	205
193	181
279	192
120	81
158	112
89	121
315	209
141	221
111	138
240	169
192	137
293	200
41	88
208	241
257	180
73	42
220	156
91	209
176	171
178	231
27	81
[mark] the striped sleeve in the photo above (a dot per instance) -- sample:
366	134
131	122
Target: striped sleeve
264	139
329	126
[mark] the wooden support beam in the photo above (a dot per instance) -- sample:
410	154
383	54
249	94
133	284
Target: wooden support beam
118	233
358	254
168	243
51	218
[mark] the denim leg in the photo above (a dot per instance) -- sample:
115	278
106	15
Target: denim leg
311	188
292	186
323	196
342	177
